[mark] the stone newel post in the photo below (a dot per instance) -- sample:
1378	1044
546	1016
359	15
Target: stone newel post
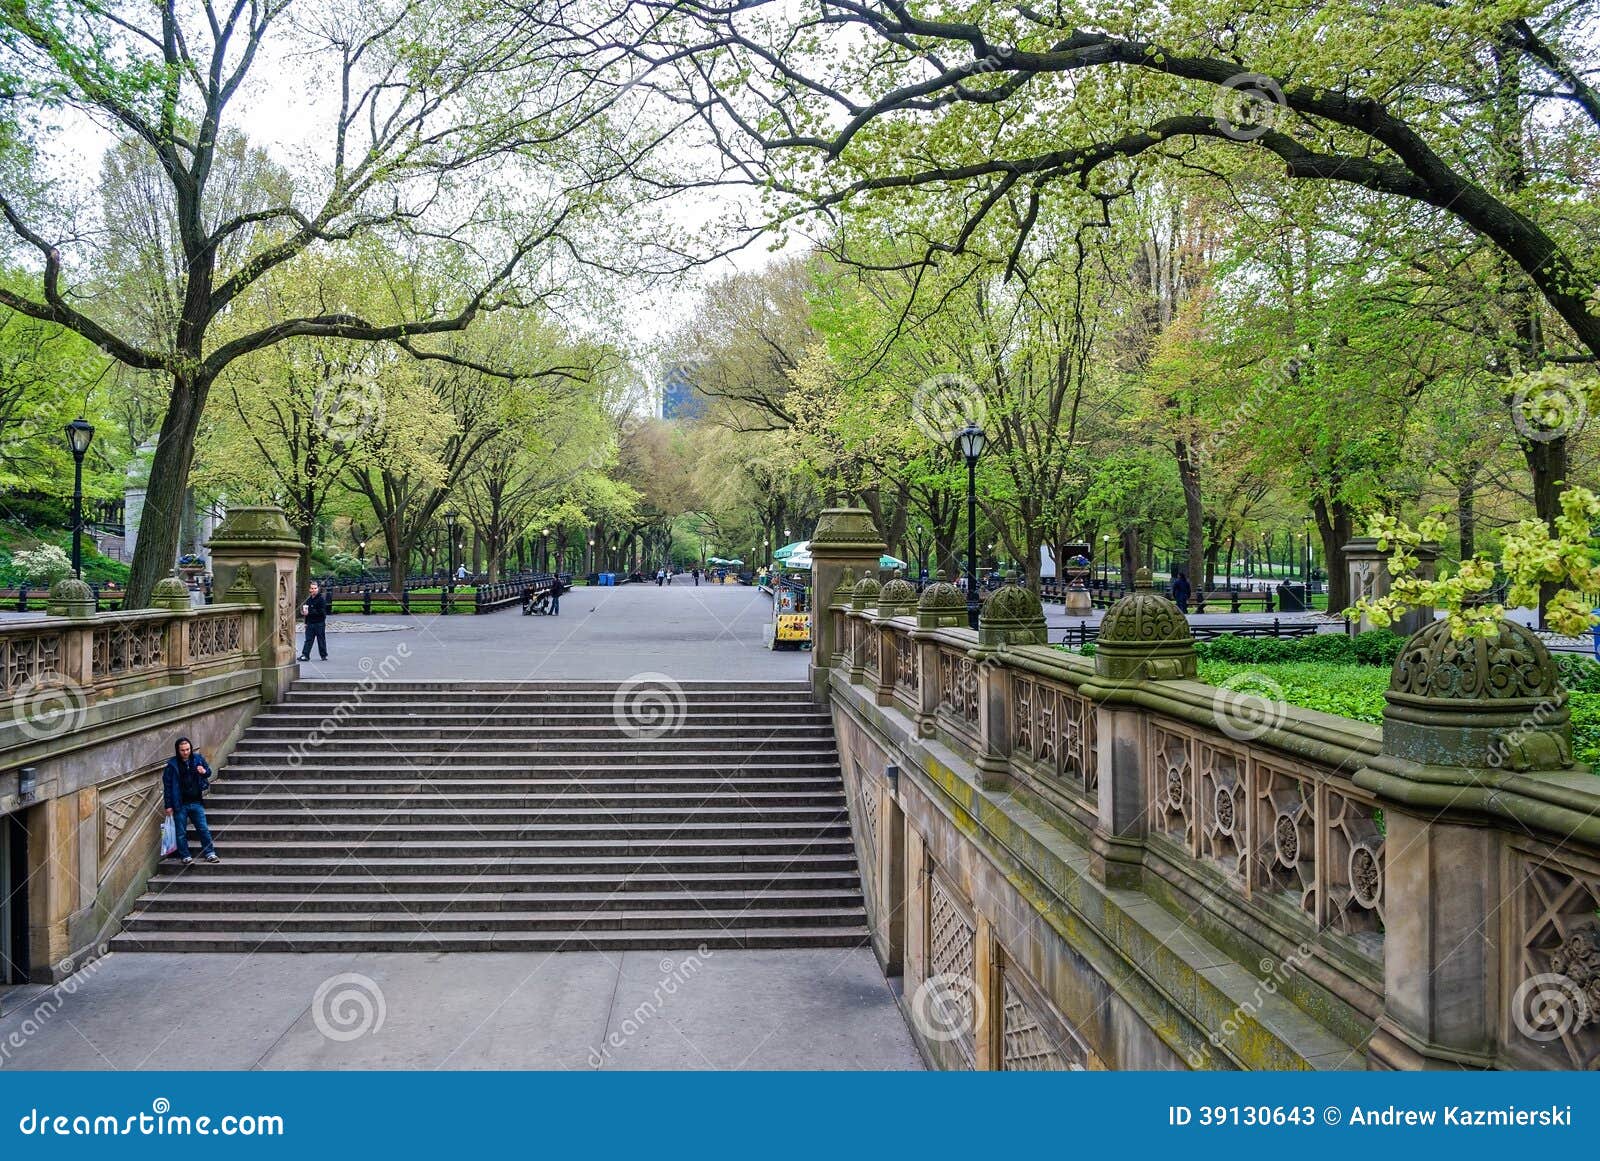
1368	571
255	557
1143	637
1476	762
845	538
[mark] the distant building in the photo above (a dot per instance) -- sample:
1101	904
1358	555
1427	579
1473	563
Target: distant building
679	397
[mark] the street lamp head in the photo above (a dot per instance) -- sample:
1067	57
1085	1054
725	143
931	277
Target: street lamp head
970	441
79	433
450	517
546	532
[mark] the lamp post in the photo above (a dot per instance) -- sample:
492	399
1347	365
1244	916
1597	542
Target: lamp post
79	433
969	441
450	535
544	550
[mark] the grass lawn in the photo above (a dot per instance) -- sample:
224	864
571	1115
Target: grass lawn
1356	691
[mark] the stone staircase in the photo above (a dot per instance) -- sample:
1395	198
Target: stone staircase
437	816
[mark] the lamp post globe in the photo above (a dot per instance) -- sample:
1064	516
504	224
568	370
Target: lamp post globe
80	433
970	441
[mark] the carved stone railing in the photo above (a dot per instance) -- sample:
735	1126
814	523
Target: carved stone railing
115	653
1270	831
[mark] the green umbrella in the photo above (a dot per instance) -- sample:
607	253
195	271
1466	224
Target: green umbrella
789	550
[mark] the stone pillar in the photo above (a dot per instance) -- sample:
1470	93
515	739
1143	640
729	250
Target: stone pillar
255	558
845	538
1012	616
941	606
1143	637
1475	738
1368	569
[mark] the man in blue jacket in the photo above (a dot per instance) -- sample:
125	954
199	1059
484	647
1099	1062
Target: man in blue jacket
183	789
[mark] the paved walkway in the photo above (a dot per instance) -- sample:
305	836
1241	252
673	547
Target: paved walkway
817	1009
602	634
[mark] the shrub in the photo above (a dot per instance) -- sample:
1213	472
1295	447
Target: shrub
42	566
346	565
1375	647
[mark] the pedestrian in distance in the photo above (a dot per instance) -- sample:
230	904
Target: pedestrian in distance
183	789
1180	591
556	589
462	573
697	578
315	611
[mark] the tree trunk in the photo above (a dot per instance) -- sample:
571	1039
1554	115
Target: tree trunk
156	553
1193	507
1547	464
1466	513
1335	526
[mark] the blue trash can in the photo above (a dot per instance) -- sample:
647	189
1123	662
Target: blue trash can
1594	635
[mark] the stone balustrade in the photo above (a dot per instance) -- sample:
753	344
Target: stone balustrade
1120	866
90	706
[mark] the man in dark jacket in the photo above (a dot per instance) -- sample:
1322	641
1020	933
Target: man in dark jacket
315	611
1180	592
183	790
556	589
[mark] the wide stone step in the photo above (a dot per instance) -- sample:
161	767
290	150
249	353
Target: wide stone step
311	830
547	756
237	878
446	922
543	774
367	732
507	718
178	900
516	818
366	848
269	860
487	794
323	799
593	939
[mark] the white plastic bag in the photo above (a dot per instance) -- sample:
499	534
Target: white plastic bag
169	836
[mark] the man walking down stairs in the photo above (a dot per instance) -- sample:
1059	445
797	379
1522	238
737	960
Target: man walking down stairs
518	816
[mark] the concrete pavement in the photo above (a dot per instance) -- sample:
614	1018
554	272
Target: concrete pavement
791	1009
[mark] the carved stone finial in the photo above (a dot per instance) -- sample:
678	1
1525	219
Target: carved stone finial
1012	616
170	593
1145	635
70	597
865	594
942	606
1493	702
898	598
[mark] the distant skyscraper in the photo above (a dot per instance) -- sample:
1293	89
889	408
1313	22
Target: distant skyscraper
679	398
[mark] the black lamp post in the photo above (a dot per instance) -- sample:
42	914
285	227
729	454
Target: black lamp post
544	550
450	535
79	434
969	441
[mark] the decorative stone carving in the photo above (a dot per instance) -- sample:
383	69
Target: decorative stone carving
897	598
170	593
118	811
1012	616
285	613
70	597
843	591
243	588
1485	702
847	528
254	527
1512	664
942	606
1145	636
865	594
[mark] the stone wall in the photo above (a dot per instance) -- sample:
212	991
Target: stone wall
1108	864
